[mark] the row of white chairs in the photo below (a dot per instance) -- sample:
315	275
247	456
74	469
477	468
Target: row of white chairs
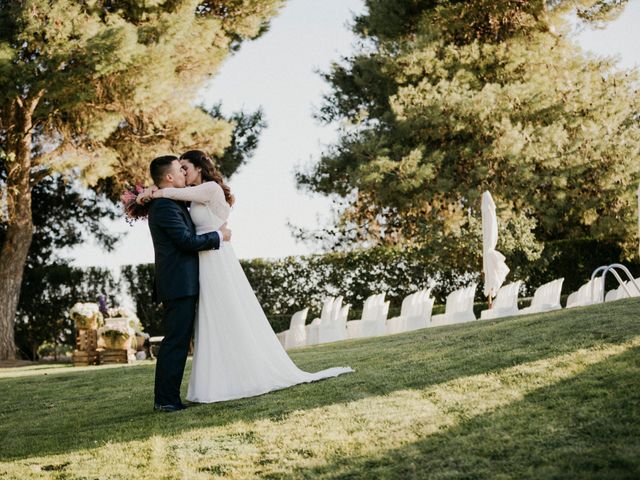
592	292
415	313
545	299
620	292
587	294
415	309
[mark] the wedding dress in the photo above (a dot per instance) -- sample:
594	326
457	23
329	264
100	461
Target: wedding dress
236	352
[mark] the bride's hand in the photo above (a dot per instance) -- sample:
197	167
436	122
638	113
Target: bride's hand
156	192
146	195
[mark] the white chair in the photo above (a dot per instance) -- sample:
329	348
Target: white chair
572	300
398	324
545	298
334	329
620	293
368	311
421	316
582	297
459	307
296	336
374	316
505	303
415	313
325	315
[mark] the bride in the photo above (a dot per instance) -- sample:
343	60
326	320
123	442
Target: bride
236	353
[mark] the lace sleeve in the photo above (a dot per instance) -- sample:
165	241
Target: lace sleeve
207	192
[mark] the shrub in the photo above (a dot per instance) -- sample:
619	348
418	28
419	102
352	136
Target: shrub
46	297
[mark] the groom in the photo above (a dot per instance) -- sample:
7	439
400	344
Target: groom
176	247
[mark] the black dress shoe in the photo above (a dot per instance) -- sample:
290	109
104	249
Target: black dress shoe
168	408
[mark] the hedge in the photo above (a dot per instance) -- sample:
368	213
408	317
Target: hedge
46	296
286	285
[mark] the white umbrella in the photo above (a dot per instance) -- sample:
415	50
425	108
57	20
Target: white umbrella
493	266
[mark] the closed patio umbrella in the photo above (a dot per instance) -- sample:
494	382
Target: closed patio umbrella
493	266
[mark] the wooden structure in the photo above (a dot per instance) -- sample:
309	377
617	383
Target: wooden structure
111	356
81	358
86	347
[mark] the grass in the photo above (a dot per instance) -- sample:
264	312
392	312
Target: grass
555	395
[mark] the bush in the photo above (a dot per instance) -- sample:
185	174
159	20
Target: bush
53	350
286	285
575	260
46	296
139	285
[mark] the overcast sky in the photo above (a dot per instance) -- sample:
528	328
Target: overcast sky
278	73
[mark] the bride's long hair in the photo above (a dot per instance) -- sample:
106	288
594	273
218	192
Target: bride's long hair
209	172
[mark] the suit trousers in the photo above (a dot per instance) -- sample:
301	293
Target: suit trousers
178	317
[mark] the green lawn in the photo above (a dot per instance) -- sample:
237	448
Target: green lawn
555	395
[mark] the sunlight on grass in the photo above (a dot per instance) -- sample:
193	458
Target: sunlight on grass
311	438
36	370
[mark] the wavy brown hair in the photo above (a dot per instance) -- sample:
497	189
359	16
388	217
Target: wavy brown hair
210	173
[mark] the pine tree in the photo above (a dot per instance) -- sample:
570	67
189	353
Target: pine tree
447	99
102	87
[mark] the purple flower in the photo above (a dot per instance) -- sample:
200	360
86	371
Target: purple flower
102	305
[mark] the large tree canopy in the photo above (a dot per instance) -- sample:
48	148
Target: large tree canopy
112	84
102	87
446	99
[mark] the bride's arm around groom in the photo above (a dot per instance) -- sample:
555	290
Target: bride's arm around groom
176	247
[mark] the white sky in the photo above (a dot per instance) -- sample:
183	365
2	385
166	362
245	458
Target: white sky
278	73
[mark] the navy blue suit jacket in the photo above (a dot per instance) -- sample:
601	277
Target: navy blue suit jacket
176	247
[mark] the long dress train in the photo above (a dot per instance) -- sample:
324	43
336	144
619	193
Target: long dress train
237	353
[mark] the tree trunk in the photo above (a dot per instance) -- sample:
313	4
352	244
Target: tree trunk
13	255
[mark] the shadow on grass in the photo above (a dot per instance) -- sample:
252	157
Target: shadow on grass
56	413
584	427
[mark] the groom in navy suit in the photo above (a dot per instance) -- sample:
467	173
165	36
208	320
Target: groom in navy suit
176	247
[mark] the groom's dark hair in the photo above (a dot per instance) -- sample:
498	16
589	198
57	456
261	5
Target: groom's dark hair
160	166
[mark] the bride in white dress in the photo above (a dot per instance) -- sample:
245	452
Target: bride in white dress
236	353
